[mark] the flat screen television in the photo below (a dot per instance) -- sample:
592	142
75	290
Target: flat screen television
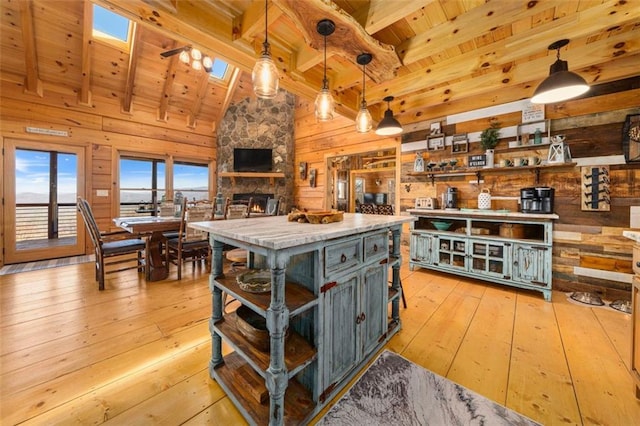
252	160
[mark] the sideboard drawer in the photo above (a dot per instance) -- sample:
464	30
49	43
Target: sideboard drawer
342	256
636	258
376	246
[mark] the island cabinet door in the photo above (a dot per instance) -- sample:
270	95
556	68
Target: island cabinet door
529	263
421	248
339	300
372	320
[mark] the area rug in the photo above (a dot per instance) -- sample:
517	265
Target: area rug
395	391
44	264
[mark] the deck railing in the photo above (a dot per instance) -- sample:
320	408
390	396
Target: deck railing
32	222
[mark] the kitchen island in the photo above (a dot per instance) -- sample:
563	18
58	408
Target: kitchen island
500	246
327	311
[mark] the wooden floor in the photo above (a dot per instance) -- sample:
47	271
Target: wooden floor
137	353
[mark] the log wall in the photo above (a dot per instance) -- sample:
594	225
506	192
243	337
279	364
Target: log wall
590	253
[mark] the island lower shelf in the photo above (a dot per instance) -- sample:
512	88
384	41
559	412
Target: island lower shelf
510	249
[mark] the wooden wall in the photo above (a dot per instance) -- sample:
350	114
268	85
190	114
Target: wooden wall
104	131
590	253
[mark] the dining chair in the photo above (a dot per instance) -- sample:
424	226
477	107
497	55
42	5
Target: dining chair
111	248
191	245
237	209
273	207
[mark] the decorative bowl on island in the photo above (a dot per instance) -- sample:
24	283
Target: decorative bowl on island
255	281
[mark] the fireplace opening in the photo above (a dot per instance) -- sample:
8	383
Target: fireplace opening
259	200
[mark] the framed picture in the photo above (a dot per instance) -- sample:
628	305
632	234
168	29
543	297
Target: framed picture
631	138
435	142
460	143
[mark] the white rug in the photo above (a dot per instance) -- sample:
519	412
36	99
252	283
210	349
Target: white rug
395	391
44	264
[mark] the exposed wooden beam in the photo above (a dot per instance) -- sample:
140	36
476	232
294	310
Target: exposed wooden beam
349	37
84	95
32	82
381	13
201	92
234	81
134	53
167	89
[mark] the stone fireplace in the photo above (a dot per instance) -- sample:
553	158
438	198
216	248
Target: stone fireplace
258	123
259	201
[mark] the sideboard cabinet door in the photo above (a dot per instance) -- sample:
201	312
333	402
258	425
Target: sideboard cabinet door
529	264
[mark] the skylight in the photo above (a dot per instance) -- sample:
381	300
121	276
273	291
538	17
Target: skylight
109	25
219	69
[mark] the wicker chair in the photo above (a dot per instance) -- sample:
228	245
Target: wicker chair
111	248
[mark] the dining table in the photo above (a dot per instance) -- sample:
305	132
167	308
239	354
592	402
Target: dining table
152	228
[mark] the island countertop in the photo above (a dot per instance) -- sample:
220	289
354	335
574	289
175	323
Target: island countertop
276	232
474	213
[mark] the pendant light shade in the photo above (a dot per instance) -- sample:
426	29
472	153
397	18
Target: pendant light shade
561	84
325	106
389	125
265	74
364	122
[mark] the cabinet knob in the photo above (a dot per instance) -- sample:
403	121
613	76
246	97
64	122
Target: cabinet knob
638	264
343	258
375	247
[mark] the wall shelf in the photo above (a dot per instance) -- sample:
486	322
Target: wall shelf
478	172
270	175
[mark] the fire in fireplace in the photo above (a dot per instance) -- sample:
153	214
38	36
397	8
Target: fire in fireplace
259	200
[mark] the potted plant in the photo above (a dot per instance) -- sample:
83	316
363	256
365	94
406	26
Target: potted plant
489	140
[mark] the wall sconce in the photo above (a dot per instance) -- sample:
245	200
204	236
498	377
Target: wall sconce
561	84
265	74
389	125
303	170
324	101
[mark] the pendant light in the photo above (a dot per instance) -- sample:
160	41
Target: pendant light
324	101
265	74
561	84
389	125
364	122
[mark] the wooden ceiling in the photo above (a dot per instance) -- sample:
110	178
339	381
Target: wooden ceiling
436	57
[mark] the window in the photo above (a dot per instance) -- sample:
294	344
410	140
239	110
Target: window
110	26
142	184
192	180
219	69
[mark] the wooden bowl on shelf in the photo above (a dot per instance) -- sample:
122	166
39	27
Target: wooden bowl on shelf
253	327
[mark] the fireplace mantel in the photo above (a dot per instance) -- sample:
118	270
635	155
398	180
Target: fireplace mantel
270	175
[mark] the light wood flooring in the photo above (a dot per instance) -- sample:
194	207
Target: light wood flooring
137	353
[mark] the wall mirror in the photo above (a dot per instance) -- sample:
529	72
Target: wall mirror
364	177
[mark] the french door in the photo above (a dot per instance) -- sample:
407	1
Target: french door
41	184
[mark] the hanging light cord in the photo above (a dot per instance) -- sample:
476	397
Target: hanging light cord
363	85
265	45
325	83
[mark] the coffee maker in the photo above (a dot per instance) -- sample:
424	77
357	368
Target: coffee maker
450	199
536	200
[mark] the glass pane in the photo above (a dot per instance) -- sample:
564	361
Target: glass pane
192	180
140	188
67	195
32	194
219	69
110	24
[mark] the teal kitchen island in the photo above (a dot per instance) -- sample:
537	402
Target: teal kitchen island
330	308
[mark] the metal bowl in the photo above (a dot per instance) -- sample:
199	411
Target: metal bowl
588	298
